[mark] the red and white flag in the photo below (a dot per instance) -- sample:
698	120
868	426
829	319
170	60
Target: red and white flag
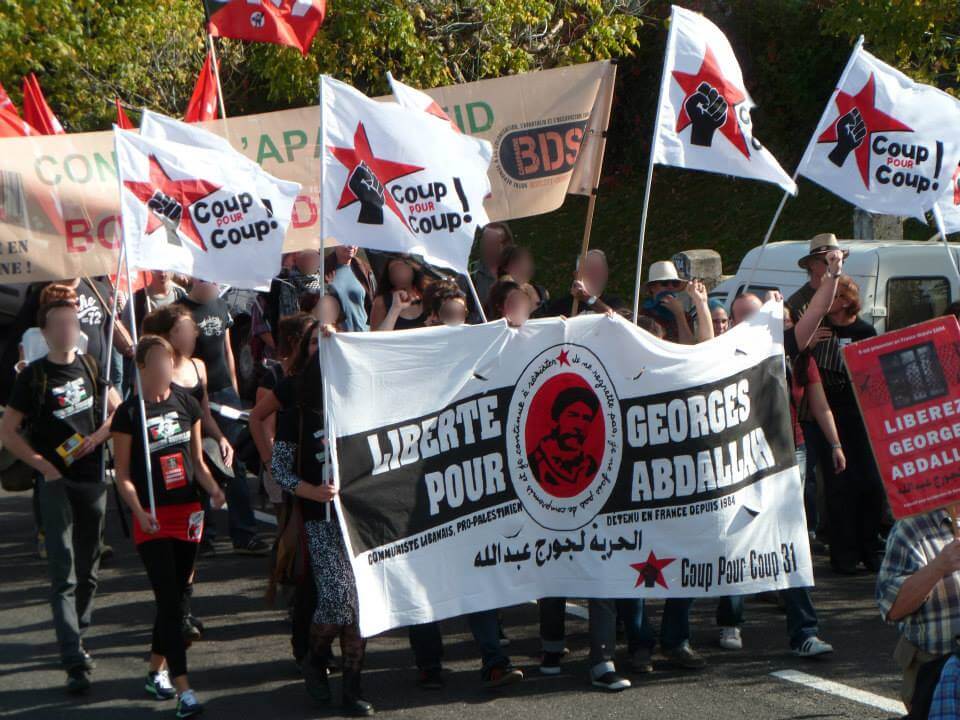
11	125
36	111
203	101
203	211
284	22
704	118
395	179
885	143
6	103
123	121
949	204
410	97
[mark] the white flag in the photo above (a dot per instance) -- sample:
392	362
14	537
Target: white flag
208	213
395	179
410	97
161	127
949	204
885	143
704	115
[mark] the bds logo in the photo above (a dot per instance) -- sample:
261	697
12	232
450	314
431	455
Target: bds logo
539	151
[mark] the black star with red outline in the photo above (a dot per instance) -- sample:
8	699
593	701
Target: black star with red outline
185	192
874	120
710	73
386	171
657	563
562	358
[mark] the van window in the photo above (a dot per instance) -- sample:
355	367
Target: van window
915	299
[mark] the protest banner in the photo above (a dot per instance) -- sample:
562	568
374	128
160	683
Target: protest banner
907	384
484	466
58	193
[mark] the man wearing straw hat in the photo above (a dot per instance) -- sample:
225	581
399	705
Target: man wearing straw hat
664	306
918	588
815	263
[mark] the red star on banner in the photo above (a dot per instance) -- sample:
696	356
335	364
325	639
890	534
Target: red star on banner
710	73
652	565
385	170
185	192
562	358
874	120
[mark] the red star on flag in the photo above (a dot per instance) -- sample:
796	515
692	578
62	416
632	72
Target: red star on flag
647	569
562	358
874	121
710	73
385	171
185	192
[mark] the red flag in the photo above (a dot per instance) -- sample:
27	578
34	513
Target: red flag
36	111
12	126
6	103
122	120
285	22
203	102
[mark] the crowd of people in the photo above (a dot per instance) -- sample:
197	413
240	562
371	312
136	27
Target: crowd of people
201	453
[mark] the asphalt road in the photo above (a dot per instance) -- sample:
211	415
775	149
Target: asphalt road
243	669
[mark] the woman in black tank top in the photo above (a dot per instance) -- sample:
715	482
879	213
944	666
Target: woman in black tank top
398	305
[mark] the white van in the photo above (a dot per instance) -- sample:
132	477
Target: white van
901	282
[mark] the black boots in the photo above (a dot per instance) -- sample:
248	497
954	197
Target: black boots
353	703
314	670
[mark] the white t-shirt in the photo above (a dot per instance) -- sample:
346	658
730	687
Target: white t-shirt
34	345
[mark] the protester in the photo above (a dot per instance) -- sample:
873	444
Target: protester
918	588
351	280
291	283
517	264
664	305
167	536
213	346
494	238
589	288
718	317
508	300
59	399
744	306
399	301
445	303
159	292
326	308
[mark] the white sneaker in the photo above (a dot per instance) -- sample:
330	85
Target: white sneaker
730	638
813	647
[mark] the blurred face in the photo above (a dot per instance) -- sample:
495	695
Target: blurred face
345	253
159	278
491	243
655	288
595	273
62	331
720	320
816	267
327	311
453	312
308	261
157	369
401	275
203	291
517	308
183	336
521	268
745	307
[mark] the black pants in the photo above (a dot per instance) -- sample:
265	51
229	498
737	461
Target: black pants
855	498
169	564
304	606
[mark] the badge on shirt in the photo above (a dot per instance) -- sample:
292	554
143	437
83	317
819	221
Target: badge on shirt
195	526
174	471
68	448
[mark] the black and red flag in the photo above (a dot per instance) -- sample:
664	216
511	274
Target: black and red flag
284	22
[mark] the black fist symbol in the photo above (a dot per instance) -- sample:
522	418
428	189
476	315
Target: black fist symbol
851	131
369	191
169	211
649	575
707	111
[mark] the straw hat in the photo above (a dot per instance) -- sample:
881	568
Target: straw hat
820	245
663	271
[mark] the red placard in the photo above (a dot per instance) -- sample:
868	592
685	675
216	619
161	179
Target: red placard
907	383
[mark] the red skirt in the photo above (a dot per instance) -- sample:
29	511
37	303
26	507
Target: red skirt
177	522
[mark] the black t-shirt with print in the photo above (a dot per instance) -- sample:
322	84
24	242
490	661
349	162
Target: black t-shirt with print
93	317
169	424
70	399
300	422
213	320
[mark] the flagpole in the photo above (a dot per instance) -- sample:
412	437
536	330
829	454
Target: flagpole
216	74
938	219
803	160
592	202
105	410
323	287
133	331
671	40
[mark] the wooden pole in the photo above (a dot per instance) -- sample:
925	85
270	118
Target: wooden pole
584	246
216	73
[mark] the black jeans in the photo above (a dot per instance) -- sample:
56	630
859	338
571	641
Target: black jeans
169	564
242	523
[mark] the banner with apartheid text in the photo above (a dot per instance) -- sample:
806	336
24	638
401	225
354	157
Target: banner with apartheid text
485	466
59	200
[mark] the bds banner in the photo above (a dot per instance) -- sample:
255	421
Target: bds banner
484	466
59	201
907	384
